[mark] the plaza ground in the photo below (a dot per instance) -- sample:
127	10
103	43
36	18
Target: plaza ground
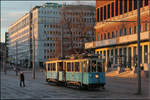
116	88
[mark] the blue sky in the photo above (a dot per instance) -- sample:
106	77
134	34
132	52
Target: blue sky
12	10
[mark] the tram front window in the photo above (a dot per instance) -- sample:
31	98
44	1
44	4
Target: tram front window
99	67
92	66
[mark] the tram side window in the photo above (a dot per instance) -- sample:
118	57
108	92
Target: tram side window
53	67
73	67
77	66
85	66
68	67
99	67
48	67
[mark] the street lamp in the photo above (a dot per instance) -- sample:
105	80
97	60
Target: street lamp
138	41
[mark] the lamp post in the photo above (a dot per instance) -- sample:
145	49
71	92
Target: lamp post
138	41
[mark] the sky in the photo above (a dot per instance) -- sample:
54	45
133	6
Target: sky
13	10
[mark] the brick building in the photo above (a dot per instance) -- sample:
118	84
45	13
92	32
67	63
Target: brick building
78	23
116	32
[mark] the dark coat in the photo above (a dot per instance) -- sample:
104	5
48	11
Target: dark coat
22	77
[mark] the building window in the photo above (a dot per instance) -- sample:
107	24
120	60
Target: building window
130	30
97	52
141	29
135	4
146	2
108	35
100	52
125	31
146	27
97	14
141	3
120	6
135	29
116	51
112	9
112	52
129	56
116	7
113	35
145	54
109	11
141	54
130	5
117	34
124	52
104	12
104	53
108	53
125	6
101	37
98	36
101	13
134	55
120	51
121	32
104	36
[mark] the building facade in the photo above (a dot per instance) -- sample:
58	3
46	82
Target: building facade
35	32
78	23
116	33
45	33
2	56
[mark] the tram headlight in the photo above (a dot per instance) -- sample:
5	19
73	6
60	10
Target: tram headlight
96	76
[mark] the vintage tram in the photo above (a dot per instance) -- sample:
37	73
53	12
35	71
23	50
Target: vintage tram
86	72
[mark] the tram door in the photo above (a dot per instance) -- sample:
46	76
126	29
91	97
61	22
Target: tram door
64	70
60	70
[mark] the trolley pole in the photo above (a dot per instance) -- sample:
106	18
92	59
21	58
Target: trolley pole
139	52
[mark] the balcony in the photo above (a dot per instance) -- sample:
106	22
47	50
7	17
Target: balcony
117	41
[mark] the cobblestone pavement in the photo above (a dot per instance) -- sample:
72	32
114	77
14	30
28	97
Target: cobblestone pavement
117	88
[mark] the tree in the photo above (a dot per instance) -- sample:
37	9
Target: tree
77	23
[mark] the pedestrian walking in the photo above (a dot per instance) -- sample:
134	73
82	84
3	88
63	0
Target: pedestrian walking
22	79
